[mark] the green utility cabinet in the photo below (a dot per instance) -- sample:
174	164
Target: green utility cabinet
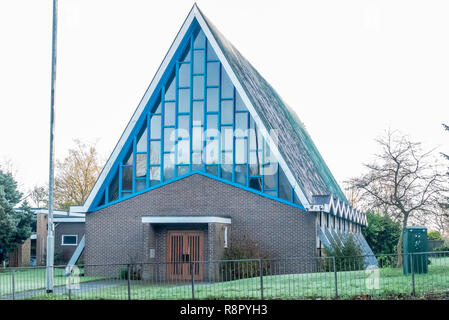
414	244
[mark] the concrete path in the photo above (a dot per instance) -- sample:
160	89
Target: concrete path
84	287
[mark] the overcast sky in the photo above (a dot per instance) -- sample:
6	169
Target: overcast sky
350	69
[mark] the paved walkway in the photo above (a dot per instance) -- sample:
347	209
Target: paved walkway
85	287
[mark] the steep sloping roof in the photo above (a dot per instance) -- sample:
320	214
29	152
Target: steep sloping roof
295	144
297	154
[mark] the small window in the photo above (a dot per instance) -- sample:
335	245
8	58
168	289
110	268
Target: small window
69	240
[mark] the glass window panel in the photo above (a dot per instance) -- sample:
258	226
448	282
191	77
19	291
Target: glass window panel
197	161
213	70
198	61
284	186
212	151
212	170
141	184
227	138
155	152
155	127
240	151
199	40
102	200
240	174
113	188
198	87
184	100
296	200
184	75
241	124
269	180
158	108
169	139
255	183
197	138
227	112
226	171
227	89
239	105
141	165
183	126
155	176
169	117
169	166
212	99
127	178
183	152
211	53
212	125
226	158
170	88
126	194
255	160
142	140
186	54
129	157
271	192
181	170
198	112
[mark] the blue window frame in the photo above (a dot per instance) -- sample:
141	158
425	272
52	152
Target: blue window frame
198	122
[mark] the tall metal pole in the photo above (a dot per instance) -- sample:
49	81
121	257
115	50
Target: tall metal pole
50	228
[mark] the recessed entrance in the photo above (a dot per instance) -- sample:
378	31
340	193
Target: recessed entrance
182	248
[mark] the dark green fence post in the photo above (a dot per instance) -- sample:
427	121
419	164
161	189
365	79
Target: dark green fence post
261	278
413	274
13	285
335	277
193	280
128	275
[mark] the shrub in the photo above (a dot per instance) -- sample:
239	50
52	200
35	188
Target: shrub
135	272
241	250
382	233
348	255
444	247
434	235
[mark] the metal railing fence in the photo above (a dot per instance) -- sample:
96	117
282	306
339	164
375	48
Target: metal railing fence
408	276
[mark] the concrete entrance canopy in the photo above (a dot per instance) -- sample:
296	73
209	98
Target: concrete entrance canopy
185	219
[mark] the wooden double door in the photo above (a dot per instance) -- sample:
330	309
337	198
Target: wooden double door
183	248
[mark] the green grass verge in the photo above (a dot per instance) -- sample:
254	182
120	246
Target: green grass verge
384	283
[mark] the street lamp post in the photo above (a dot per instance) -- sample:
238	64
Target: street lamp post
50	226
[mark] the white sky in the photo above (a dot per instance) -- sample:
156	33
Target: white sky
351	69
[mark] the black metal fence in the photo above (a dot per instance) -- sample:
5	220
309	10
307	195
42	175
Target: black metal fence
386	276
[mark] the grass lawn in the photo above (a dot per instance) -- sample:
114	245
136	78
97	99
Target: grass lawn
32	279
381	283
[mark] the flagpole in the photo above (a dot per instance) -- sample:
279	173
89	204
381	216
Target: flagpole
50	225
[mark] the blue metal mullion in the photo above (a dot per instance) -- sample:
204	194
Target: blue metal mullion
133	188
277	181
120	181
247	147
147	182
233	134
263	162
191	104
162	132
106	194
203	154
175	143
219	120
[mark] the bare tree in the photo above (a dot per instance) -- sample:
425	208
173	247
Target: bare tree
404	181
39	196
76	175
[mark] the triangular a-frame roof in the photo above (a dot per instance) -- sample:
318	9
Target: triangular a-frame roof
297	155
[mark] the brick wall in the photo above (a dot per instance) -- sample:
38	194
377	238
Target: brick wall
115	234
65	252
